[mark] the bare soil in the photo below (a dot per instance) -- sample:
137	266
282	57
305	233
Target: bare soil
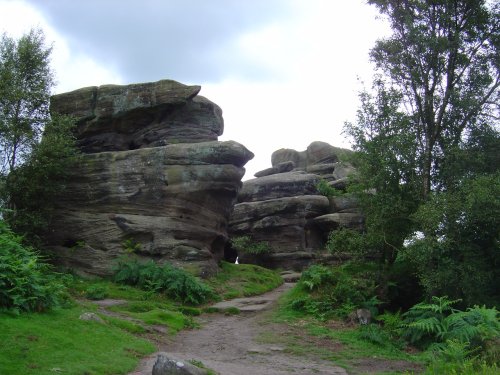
233	345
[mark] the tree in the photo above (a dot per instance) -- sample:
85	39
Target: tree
34	187
459	255
426	141
444	58
25	83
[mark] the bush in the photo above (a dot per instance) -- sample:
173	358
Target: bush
457	255
244	244
26	283
96	292
347	241
34	187
438	325
335	291
174	282
324	188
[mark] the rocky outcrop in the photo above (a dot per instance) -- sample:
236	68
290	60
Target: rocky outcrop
118	118
284	207
152	179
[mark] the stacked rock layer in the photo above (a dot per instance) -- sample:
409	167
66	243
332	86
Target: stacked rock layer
153	179
283	207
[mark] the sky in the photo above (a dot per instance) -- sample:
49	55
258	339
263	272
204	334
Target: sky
285	72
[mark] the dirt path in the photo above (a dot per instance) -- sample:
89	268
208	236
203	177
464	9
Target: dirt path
229	345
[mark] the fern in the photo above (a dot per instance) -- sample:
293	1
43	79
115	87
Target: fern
392	322
174	282
438	305
438	322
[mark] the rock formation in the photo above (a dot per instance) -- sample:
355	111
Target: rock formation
284	208
153	178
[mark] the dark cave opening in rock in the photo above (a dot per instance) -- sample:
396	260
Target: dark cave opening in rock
230	254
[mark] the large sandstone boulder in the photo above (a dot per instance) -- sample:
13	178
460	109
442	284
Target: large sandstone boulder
284	208
168	203
118	118
317	154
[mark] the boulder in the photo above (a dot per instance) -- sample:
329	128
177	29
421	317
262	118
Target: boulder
170	203
317	153
329	222
360	316
167	365
286	166
171	207
280	185
119	118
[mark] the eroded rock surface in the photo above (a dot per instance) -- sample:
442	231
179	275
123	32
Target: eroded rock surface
284	207
117	118
152	179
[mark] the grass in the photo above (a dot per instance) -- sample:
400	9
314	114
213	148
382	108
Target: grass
332	340
59	341
244	280
149	308
80	288
126	325
201	365
155	314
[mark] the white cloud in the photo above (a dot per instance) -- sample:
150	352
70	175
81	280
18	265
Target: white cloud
317	56
17	17
307	87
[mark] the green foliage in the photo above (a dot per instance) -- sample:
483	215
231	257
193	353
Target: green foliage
174	282
438	322
26	281
37	344
392	323
246	245
348	241
334	291
458	254
130	246
243	280
32	189
426	141
374	334
124	324
174	320
200	364
442	58
324	188
25	83
467	367
96	292
232	311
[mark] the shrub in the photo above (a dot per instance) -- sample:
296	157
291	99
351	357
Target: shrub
26	283
174	282
374	334
34	187
244	244
324	188
96	292
335	291
437	323
348	241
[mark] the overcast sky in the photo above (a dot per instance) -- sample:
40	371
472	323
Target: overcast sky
284	72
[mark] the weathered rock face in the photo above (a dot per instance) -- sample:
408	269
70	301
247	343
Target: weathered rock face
284	208
118	118
169	203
